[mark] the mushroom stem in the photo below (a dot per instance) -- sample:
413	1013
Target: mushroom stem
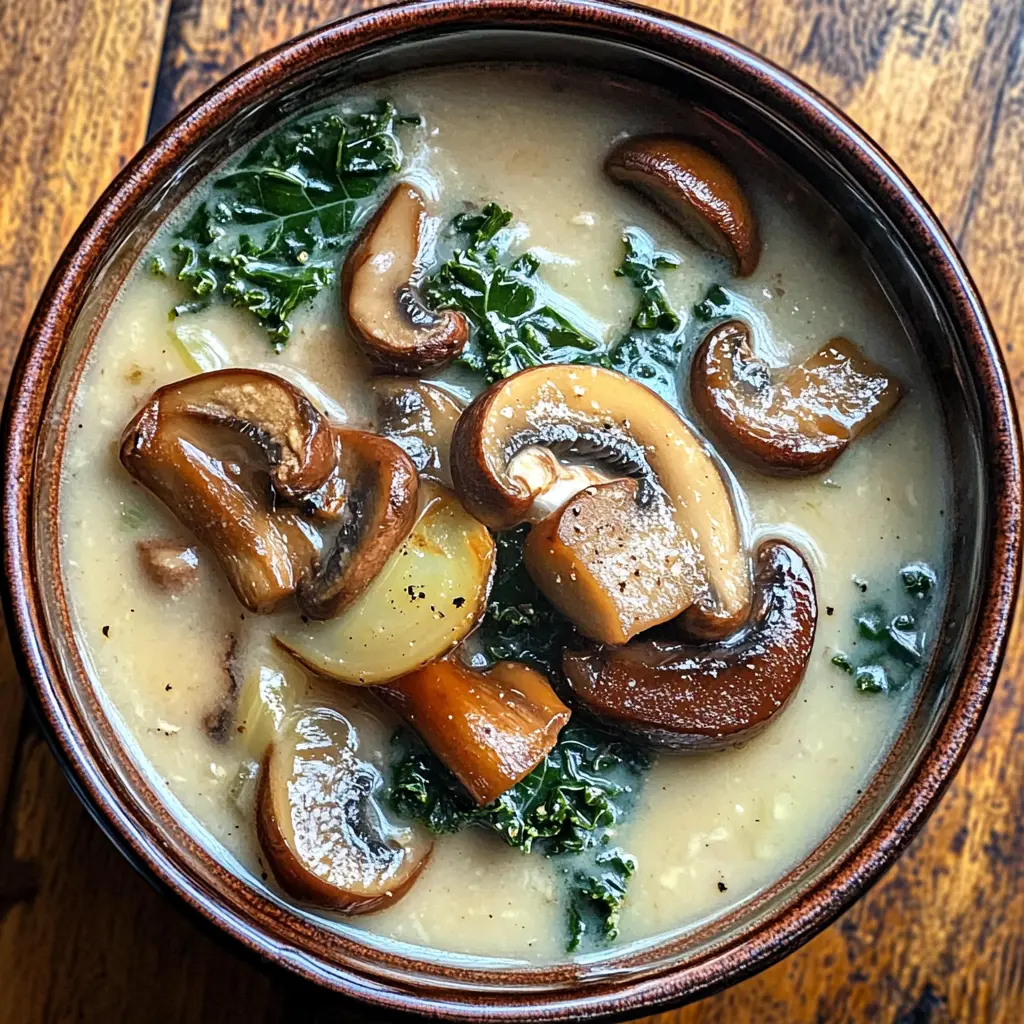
490	729
690	697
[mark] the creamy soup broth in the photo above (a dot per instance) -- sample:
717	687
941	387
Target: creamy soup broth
708	831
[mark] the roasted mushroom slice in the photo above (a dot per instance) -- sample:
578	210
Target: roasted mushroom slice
380	296
428	596
322	825
692	697
490	729
169	564
695	190
214	449
638	553
795	421
420	418
380	508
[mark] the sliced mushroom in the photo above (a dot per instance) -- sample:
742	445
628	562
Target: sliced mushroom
380	296
419	417
490	729
322	825
795	421
428	596
169	564
379	510
695	190
637	554
265	409
218	471
692	697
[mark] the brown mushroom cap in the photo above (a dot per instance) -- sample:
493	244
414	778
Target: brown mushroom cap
682	510
266	410
490	729
693	697
322	826
695	190
420	418
380	509
796	421
192	446
380	299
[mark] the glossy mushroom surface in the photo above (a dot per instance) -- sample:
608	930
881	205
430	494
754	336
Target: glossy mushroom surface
695	190
490	729
679	528
213	448
380	291
420	418
322	824
427	597
380	488
794	421
705	697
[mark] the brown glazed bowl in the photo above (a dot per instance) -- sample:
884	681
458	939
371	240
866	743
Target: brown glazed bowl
926	279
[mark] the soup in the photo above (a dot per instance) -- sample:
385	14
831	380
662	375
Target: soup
596	660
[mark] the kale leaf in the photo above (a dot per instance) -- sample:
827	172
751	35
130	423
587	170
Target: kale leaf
893	644
568	806
520	623
267	238
515	319
649	351
514	324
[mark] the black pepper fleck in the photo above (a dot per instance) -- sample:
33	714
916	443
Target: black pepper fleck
106	631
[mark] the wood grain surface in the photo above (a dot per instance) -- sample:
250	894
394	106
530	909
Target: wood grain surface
940	84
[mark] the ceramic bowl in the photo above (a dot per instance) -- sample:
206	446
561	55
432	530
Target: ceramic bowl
912	254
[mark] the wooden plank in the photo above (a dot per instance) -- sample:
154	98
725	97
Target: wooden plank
938	83
75	84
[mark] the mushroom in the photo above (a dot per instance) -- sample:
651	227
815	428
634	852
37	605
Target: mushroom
620	556
169	564
490	729
380	485
321	822
704	697
216	449
380	295
695	190
419	417
795	421
427	597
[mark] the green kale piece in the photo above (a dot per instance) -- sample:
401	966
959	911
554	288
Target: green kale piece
267	238
893	645
600	894
649	351
520	623
514	325
714	304
568	805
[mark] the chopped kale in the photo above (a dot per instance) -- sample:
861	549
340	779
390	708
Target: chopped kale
714	304
268	237
650	349
514	323
520	623
894	644
517	321
567	806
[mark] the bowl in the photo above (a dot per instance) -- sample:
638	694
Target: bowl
926	278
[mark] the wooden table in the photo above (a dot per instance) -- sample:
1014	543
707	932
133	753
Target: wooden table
939	83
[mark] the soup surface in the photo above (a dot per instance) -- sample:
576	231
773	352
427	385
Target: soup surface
707	830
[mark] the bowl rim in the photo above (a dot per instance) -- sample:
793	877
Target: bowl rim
654	31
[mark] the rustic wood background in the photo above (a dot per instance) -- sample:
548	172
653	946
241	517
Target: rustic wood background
939	83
